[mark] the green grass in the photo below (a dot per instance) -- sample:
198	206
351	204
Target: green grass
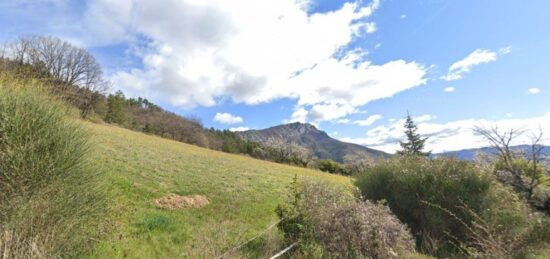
49	194
139	168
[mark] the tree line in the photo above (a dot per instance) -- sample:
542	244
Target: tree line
75	76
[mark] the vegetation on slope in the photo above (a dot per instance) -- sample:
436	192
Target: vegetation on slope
62	197
456	209
49	195
243	193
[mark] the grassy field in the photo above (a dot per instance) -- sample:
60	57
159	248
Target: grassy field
243	194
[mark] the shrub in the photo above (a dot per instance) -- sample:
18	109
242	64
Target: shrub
37	142
451	206
327	165
365	230
48	195
330	222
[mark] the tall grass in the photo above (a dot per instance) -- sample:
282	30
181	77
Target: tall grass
48	193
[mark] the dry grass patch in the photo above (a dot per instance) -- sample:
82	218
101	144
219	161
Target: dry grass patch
175	202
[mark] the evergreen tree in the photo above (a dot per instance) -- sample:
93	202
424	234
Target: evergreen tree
116	112
414	145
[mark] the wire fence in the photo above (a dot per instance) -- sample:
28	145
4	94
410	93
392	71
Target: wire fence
236	248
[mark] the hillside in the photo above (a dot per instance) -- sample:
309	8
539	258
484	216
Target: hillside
317	142
139	168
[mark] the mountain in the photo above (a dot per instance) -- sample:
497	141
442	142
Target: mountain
470	154
315	141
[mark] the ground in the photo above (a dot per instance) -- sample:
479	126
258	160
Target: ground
138	168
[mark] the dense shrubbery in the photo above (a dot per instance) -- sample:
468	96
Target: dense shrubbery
332	223
47	191
327	165
453	207
538	193
37	143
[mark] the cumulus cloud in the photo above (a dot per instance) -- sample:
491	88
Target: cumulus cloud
449	89
370	27
241	128
450	136
227	118
480	56
533	90
201	53
369	121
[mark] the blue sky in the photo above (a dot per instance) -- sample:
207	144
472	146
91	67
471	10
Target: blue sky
352	68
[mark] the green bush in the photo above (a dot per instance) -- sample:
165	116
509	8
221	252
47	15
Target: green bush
37	142
329	222
333	167
48	193
452	206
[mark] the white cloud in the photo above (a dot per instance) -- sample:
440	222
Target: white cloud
505	50
424	118
370	27
533	90
200	53
343	121
378	45
299	115
450	136
403	16
449	89
369	121
479	56
239	129
227	118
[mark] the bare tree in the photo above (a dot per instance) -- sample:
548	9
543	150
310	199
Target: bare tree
523	180
535	160
68	65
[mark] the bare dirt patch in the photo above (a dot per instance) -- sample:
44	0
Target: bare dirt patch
174	202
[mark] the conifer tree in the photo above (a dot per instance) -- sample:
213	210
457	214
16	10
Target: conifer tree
116	108
414	145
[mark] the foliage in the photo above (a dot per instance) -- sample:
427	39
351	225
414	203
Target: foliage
329	222
333	167
116	105
37	143
524	166
72	71
365	230
524	171
232	143
140	114
414	145
451	206
48	193
294	223
535	176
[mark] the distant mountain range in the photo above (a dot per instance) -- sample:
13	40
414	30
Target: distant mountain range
470	154
317	142
321	146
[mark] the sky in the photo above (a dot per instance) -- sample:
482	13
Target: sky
352	68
